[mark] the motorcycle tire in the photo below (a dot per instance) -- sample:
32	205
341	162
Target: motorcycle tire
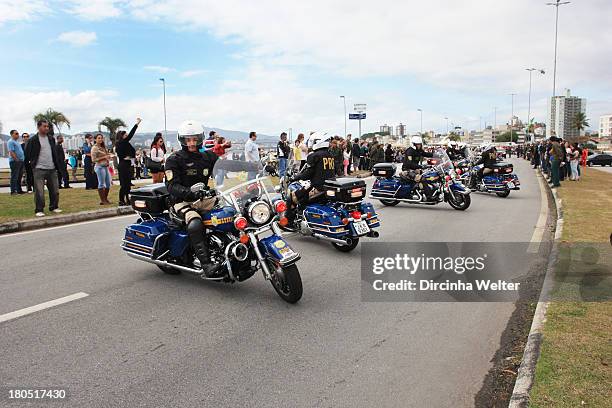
169	271
347	248
286	281
461	206
503	194
390	203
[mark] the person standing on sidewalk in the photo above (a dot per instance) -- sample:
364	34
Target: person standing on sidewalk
556	152
158	157
29	179
282	154
40	154
125	154
88	171
102	157
73	163
62	173
16	162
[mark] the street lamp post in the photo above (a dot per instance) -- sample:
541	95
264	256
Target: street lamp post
495	118
165	120
556	4
446	126
529	98
421	110
512	116
344	98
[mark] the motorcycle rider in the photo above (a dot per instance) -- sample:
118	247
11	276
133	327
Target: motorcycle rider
488	158
183	169
411	165
453	152
320	166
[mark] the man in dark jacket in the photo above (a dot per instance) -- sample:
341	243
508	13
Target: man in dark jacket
411	165
356	153
41	155
62	172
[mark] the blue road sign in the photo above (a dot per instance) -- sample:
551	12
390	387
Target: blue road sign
357	116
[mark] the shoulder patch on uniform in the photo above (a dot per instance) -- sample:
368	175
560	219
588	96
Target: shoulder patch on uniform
169	175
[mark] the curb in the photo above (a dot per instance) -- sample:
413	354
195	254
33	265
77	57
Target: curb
26	225
526	371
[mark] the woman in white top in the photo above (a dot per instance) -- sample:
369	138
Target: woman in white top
158	152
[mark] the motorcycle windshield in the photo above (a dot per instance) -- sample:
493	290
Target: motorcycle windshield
238	181
444	161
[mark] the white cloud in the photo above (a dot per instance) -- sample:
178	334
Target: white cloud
192	73
158	68
78	38
95	9
22	10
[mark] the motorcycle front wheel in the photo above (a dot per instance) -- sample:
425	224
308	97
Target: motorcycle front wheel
503	194
390	203
460	202
286	281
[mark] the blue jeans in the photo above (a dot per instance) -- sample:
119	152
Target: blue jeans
219	177
104	177
282	166
16	175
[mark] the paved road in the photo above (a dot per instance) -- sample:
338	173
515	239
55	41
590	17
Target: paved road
143	338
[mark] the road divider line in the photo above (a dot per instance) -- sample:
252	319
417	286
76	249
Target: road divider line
540	228
46	305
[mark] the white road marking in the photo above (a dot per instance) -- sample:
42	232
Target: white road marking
540	228
41	306
74	224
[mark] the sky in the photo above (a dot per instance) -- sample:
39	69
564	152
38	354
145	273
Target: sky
269	66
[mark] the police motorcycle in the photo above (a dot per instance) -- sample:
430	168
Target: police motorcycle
500	181
339	216
242	230
391	189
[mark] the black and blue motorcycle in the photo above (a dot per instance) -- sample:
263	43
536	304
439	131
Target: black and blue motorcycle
442	180
501	180
340	216
243	231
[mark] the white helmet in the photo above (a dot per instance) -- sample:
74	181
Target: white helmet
462	145
415	140
190	128
319	140
488	147
453	143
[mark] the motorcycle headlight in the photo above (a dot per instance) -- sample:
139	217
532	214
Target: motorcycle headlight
259	212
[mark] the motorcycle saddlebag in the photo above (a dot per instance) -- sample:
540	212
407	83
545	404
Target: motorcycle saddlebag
386	170
503	168
345	189
151	199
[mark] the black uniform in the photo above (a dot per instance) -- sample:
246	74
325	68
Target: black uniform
488	158
183	169
125	153
320	166
454	154
412	163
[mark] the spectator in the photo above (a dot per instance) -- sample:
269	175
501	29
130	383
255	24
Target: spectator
346	151
88	171
556	153
363	163
125	155
251	153
41	155
101	158
62	173
356	153
157	155
209	143
388	154
377	154
29	179
219	149
303	150
73	163
143	162
574	158
282	154
16	162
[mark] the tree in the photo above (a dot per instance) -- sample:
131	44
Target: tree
580	121
55	118
505	137
454	137
112	124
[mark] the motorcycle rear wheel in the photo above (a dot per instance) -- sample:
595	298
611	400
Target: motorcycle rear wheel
503	194
390	203
462	204
286	281
347	248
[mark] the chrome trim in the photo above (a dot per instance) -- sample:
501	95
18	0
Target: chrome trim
264	267
169	265
330	239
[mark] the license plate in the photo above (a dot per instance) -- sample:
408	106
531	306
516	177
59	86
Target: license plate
361	227
510	184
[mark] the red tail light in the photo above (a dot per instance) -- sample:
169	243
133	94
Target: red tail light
356	215
244	239
345	221
240	223
280	206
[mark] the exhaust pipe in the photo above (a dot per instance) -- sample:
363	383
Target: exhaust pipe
373	234
330	239
169	265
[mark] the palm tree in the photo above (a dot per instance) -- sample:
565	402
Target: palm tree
112	124
580	121
55	118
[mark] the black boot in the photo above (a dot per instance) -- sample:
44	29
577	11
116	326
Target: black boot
198	243
290	214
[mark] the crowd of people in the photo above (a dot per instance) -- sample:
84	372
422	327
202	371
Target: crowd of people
558	159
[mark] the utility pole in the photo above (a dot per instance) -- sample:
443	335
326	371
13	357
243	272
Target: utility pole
344	98
529	100
165	120
556	4
512	116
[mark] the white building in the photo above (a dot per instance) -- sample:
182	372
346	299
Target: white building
386	129
400	130
562	112
605	126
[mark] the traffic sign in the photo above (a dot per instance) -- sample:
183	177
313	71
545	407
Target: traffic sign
359	107
357	116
